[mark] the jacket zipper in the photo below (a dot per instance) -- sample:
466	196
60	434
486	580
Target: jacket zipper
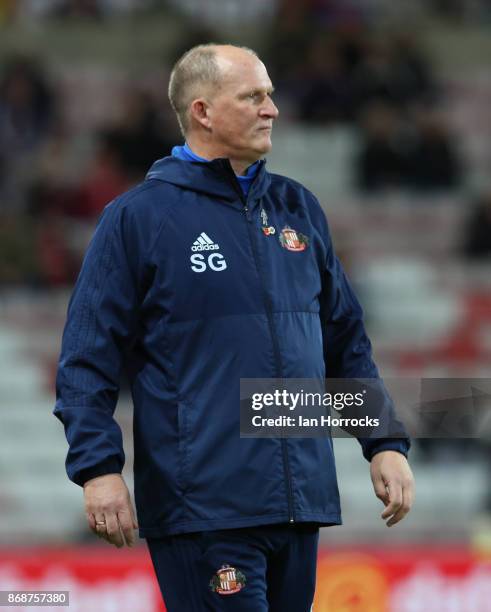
274	338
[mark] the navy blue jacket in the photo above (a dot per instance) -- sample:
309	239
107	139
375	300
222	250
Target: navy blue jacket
183	290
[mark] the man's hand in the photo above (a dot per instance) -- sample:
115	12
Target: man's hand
109	511
393	483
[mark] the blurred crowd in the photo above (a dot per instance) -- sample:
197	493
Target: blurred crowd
382	85
50	192
63	9
330	66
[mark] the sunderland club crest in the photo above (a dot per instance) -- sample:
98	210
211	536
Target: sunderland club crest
227	581
292	240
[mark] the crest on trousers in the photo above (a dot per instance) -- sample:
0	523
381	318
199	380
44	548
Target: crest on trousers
227	581
292	240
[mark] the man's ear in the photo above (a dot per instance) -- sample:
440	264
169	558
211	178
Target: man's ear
199	112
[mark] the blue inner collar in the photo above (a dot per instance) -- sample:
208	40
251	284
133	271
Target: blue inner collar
187	154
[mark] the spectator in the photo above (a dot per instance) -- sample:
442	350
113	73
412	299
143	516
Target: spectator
411	73
352	40
26	105
373	78
27	112
57	265
106	177
56	174
420	155
382	162
434	164
477	234
325	93
18	262
139	136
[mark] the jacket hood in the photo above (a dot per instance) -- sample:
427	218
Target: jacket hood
215	178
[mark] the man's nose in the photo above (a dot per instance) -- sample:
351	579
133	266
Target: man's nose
270	109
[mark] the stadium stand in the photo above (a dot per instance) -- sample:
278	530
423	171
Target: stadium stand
427	306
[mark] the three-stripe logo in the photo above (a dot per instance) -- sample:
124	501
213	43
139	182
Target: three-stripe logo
214	261
204	243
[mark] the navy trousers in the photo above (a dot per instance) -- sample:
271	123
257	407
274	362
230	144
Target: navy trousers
269	568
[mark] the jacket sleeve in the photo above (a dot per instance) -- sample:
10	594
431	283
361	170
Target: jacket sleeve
100	322
347	348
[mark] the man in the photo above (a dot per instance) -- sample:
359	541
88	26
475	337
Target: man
210	271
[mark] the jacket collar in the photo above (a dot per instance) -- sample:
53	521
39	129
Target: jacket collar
215	178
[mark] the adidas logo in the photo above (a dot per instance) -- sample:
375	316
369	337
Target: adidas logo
202	262
204	243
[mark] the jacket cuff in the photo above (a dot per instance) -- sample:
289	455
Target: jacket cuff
400	445
111	466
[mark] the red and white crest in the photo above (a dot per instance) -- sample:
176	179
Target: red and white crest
227	581
292	240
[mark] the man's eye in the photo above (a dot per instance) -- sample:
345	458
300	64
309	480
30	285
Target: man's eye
258	96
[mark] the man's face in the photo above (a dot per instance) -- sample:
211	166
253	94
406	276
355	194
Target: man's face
241	112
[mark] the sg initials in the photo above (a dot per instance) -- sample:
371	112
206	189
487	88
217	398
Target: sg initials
216	262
